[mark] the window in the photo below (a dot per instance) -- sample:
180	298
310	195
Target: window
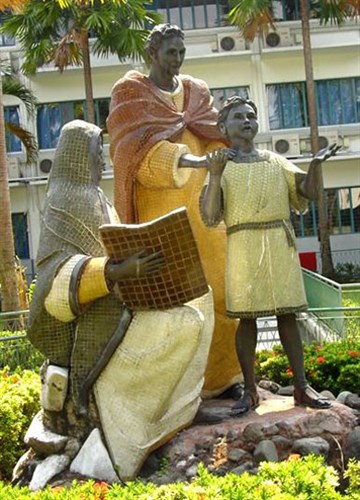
11	115
20	231
337	102
220	95
343	212
5	41
51	117
289	10
193	14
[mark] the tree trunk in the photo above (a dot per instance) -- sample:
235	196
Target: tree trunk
323	227
8	278
85	48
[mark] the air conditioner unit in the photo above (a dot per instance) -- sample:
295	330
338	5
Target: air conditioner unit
326	140
45	165
287	145
13	163
231	42
279	38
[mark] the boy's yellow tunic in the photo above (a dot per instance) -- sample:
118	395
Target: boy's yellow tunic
263	275
159	187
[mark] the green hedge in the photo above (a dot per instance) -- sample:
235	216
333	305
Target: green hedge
333	366
19	403
16	352
307	478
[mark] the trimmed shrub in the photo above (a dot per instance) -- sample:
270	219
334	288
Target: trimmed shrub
19	403
17	352
307	478
333	366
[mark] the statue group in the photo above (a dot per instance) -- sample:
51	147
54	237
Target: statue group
137	377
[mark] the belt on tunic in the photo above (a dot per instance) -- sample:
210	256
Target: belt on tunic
286	224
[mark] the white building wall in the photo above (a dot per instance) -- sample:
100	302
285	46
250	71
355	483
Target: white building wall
335	55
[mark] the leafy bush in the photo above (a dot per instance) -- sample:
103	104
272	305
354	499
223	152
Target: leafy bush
16	352
333	366
19	402
31	290
352	319
347	272
304	479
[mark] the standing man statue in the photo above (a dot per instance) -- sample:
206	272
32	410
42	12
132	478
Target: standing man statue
157	124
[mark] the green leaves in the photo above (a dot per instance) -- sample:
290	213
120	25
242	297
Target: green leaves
255	16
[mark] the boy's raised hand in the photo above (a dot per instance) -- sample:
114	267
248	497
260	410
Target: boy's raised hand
216	161
327	152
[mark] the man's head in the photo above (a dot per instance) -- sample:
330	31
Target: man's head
237	119
159	33
165	51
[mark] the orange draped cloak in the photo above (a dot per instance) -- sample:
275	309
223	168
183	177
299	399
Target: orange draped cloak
148	134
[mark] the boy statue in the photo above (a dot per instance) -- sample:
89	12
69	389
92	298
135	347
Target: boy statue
252	191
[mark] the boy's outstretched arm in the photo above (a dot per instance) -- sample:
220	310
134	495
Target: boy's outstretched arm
309	185
211	205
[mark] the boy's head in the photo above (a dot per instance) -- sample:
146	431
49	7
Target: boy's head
238	118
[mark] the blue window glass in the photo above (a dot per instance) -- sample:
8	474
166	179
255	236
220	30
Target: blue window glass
193	14
286	105
51	117
11	115
337	102
5	41
20	231
220	95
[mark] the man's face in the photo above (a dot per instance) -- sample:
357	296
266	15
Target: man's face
170	56
241	123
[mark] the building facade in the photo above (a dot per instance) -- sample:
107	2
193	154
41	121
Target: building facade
270	71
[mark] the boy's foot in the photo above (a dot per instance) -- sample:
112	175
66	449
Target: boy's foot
309	397
248	401
233	392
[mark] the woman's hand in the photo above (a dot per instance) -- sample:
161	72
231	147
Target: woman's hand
135	266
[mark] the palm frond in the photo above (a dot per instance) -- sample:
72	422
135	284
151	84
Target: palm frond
67	51
13	86
337	11
27	139
251	16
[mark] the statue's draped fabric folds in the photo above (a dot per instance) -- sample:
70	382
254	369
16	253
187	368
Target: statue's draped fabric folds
149	386
150	129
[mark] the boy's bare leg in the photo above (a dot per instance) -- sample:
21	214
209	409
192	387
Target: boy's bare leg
291	341
246	339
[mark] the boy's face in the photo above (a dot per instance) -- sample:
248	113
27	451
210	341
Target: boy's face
241	123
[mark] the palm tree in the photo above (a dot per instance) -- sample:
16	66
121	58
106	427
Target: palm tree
253	16
48	34
11	85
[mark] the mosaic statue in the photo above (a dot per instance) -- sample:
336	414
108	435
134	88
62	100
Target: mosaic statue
137	376
252	191
157	124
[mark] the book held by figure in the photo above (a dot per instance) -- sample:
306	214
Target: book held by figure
180	280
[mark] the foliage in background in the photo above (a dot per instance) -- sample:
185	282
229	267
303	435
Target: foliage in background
303	479
19	403
17	353
13	86
347	272
334	366
31	290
